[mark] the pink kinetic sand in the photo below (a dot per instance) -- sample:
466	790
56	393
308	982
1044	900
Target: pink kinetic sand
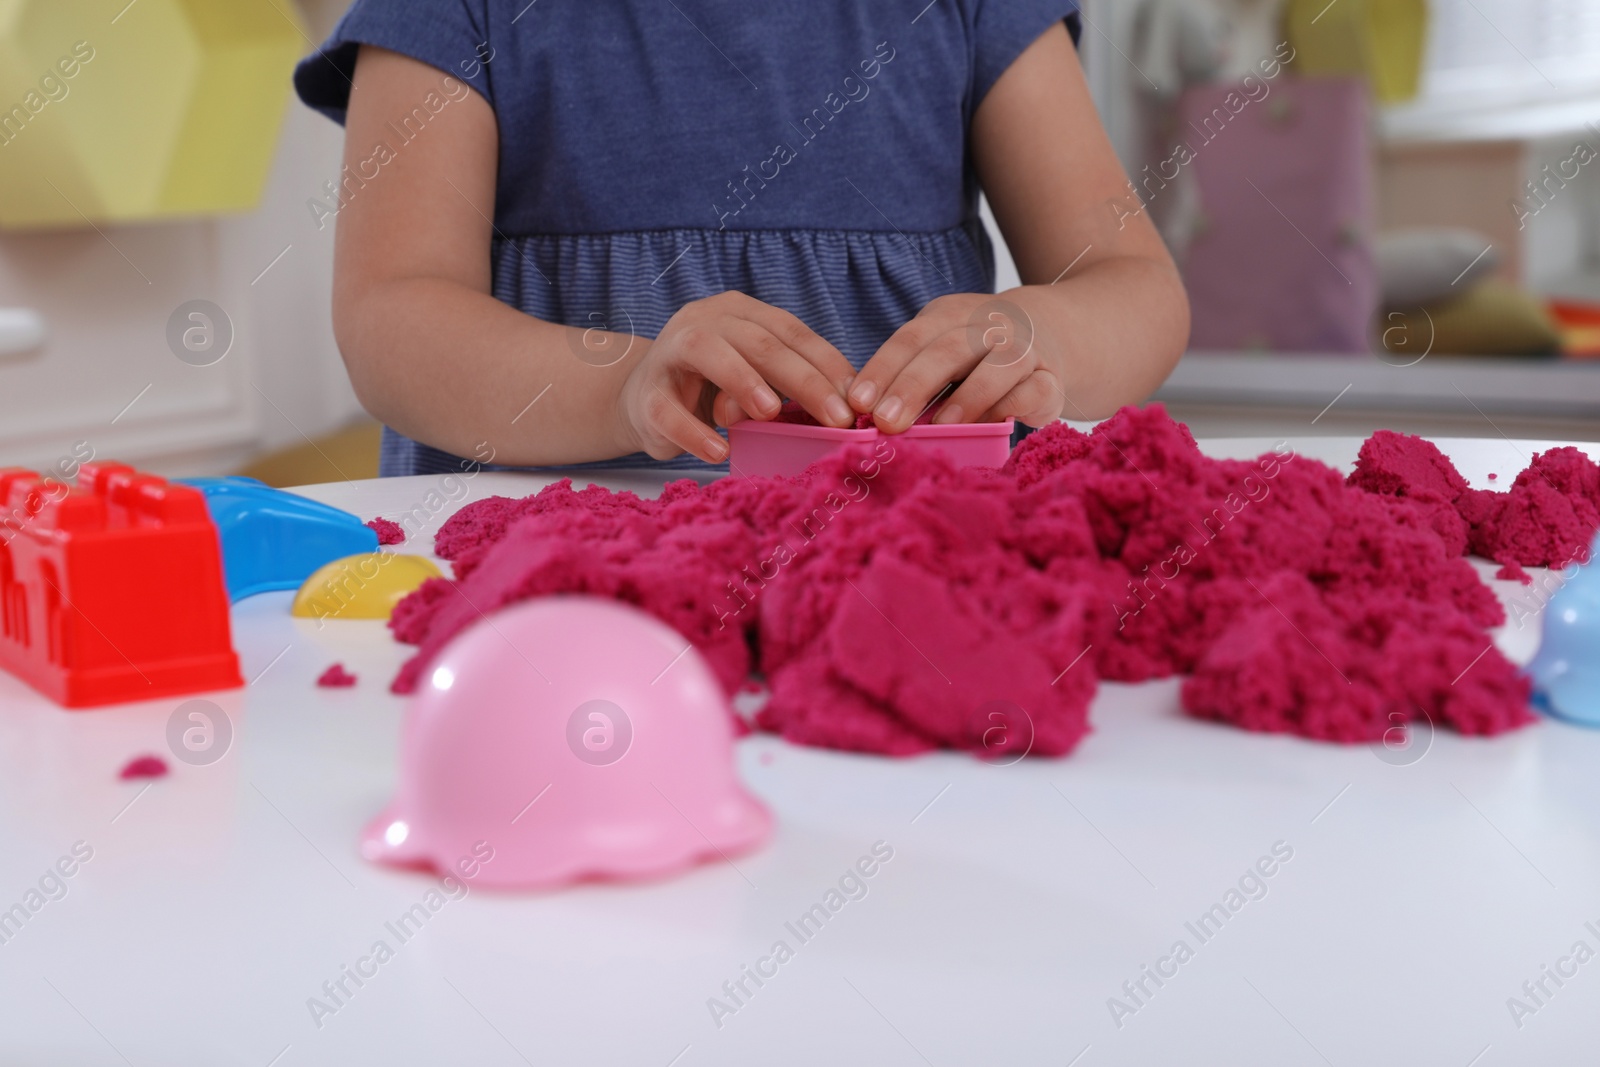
894	602
144	767
336	677
794	414
389	532
1513	571
1547	519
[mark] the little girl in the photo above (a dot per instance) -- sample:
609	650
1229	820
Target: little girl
594	231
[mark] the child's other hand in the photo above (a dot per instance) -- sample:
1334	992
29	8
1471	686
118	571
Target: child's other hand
988	340
712	365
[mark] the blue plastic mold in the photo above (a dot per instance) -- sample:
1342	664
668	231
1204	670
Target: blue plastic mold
275	540
1566	672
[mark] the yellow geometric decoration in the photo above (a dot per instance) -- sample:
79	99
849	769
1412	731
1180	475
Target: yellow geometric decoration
367	586
1381	40
112	111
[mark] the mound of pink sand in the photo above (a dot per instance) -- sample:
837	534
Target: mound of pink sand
143	767
1548	519
389	532
893	601
336	677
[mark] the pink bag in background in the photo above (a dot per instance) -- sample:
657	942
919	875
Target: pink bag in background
1281	256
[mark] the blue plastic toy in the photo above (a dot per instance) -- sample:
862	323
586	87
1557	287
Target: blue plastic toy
1566	672
275	540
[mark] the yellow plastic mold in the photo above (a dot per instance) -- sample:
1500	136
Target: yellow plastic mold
113	111
1382	40
365	586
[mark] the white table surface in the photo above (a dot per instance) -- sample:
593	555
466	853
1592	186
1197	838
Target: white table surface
1019	899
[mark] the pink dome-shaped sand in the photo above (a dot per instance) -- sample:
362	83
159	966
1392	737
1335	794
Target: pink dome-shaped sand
566	738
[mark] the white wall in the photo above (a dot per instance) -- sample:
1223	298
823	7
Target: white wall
106	297
1561	238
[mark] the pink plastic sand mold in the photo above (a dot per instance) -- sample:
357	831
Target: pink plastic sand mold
785	449
570	738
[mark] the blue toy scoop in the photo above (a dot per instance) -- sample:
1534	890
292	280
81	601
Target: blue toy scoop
1566	672
272	539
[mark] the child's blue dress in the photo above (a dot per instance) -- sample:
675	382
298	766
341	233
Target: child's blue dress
810	153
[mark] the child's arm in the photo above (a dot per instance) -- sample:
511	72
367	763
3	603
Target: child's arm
1101	301
434	355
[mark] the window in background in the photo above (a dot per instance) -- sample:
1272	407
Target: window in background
1506	68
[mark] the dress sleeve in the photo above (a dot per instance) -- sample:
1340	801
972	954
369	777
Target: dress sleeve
451	35
1003	29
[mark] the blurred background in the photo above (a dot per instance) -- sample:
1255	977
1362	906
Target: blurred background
1387	213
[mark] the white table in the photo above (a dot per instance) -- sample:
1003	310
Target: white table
1019	899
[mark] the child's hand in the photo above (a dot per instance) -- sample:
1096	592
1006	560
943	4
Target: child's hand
985	339
712	364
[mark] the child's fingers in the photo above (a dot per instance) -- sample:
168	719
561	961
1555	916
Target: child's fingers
789	371
947	358
670	420
986	384
895	354
712	355
816	350
726	410
1036	400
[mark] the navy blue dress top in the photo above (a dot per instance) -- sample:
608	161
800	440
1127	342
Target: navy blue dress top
810	153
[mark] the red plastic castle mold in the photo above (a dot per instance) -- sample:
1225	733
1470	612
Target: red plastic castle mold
112	591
